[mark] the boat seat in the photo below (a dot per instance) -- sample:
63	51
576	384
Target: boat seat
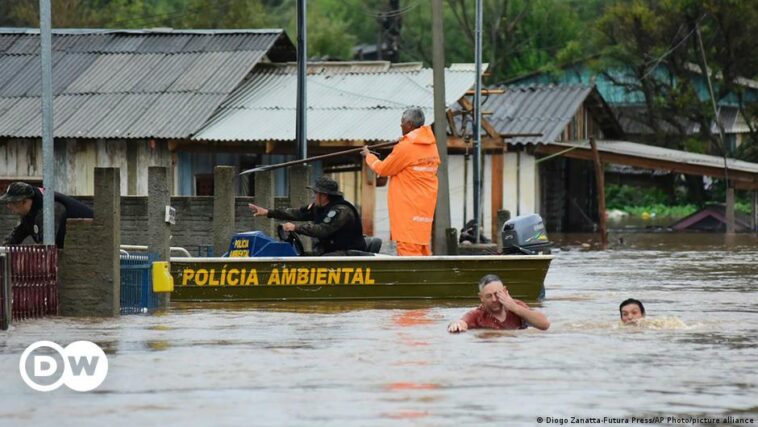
373	244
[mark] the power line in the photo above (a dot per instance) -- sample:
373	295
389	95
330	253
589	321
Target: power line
376	13
671	50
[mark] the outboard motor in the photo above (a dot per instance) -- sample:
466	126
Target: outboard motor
525	235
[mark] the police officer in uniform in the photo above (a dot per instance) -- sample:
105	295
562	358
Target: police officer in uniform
333	220
25	201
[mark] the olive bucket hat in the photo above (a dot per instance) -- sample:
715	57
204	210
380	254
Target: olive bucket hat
326	185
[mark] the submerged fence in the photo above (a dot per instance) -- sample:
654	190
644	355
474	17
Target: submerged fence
137	294
29	287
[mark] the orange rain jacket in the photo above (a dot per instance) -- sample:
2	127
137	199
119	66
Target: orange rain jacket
412	168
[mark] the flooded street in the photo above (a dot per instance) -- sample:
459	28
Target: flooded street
379	364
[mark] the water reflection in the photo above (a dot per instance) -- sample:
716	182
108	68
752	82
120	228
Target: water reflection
383	363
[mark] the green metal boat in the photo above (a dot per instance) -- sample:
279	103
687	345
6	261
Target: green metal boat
353	278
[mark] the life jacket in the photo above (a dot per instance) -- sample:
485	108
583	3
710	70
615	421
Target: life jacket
349	237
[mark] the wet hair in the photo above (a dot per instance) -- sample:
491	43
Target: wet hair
414	116
632	301
489	278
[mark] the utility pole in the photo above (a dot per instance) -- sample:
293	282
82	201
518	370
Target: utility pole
478	124
390	24
48	147
729	209
442	211
302	66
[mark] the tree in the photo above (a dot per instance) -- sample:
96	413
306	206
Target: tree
653	49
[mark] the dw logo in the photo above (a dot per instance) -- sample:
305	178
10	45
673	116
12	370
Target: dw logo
45	366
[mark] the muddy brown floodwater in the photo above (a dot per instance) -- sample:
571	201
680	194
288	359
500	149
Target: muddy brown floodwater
387	364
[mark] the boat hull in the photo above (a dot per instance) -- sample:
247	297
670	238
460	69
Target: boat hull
353	278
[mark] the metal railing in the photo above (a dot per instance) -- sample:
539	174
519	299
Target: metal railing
137	294
143	248
29	283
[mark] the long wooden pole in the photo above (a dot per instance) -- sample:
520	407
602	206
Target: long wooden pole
310	159
600	182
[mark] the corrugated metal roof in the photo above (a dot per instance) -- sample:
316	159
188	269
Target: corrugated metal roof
130	83
24	79
202	68
95	43
118	120
191	114
7	40
157	44
98	74
228	76
342	106
652	152
19	113
171	67
24	45
351	67
124	44
89	114
63	108
535	109
633	120
131	72
10	65
68	69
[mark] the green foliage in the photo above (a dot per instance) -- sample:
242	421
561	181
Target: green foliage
660	210
639	202
519	36
658	42
653	39
623	196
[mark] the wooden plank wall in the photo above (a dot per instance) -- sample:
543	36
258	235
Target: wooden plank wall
75	161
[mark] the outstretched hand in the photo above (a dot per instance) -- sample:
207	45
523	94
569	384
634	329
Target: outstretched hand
257	210
365	151
457	326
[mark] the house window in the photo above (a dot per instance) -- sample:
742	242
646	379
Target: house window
204	184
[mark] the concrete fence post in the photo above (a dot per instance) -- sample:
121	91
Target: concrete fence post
158	230
90	269
300	178
223	208
264	197
502	217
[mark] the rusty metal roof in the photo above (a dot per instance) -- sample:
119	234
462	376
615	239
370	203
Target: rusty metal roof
128	83
346	101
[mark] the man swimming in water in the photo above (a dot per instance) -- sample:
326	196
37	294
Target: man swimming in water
631	310
498	310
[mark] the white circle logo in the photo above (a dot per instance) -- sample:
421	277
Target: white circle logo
45	366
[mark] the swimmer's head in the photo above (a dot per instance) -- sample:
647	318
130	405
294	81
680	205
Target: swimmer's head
631	310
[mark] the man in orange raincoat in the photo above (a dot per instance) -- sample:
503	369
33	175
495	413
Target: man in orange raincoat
412	168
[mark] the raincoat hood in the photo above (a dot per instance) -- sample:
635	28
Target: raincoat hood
422	135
